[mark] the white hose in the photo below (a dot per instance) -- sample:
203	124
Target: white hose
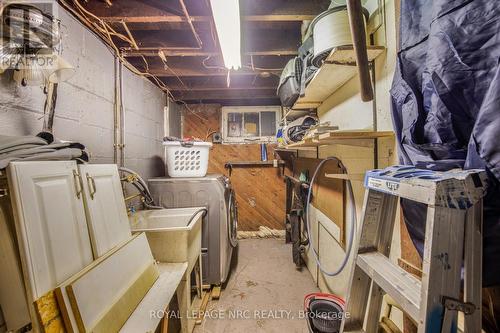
353	220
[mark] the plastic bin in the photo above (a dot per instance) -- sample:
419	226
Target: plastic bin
187	159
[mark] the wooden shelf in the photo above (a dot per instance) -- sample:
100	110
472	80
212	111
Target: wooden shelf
338	137
338	68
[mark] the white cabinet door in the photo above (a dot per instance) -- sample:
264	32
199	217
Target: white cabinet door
105	207
50	221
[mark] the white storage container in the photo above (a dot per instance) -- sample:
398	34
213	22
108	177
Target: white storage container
187	159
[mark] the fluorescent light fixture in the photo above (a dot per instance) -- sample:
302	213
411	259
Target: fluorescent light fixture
227	22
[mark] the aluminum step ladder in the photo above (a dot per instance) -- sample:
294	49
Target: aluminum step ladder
453	236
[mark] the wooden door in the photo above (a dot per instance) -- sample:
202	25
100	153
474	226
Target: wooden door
105	207
50	223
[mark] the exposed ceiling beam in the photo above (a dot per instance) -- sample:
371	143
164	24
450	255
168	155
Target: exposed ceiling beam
152	52
182	72
179	19
278	18
237	102
180	87
226	94
220	82
192	66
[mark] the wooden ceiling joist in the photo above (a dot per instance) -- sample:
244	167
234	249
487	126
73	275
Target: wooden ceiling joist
152	52
226	94
194	72
184	31
180	87
220	83
181	19
155	19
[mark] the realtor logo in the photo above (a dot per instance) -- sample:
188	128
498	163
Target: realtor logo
29	32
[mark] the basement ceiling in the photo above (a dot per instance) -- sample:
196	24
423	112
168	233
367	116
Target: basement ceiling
175	43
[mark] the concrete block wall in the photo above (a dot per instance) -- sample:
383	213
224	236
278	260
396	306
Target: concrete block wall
85	104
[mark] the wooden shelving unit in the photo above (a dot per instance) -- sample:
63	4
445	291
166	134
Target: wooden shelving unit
338	137
338	68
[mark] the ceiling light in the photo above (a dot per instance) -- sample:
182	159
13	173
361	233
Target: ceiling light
227	22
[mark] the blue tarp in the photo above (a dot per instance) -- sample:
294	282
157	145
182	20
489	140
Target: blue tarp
446	103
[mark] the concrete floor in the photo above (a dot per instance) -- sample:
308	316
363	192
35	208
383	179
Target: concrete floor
265	292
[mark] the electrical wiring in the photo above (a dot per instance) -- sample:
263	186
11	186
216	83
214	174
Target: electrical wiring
105	31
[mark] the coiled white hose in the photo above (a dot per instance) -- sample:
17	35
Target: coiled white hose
352	230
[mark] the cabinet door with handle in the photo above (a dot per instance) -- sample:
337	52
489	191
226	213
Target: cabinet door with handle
50	223
105	207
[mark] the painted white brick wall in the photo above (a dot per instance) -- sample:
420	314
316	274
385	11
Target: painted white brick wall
84	110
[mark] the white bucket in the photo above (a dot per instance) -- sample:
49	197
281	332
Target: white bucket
187	159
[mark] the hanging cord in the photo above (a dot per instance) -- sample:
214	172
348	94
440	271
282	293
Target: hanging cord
353	219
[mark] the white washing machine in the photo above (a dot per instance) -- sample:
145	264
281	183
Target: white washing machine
219	230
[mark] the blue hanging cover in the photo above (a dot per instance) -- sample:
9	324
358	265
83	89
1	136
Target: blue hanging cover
446	103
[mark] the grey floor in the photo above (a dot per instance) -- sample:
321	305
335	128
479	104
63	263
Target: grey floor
265	292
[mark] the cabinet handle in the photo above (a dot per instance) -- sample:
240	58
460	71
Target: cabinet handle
78	183
91	184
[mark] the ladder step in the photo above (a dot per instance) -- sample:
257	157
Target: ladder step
403	287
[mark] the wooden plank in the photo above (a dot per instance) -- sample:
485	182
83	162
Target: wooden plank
179	19
124	306
346	176
62	295
153	52
216	290
104	206
442	264
103	297
473	266
154	18
203	307
403	287
344	55
347	137
226	94
190	71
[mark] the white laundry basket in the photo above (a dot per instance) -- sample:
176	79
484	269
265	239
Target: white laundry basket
187	159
